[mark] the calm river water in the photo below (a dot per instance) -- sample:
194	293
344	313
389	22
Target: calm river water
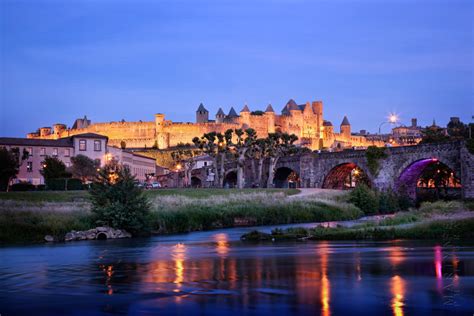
214	273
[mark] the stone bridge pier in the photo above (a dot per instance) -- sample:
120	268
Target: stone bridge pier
401	168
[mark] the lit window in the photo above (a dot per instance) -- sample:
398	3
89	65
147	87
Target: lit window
43	152
67	152
30	151
68	164
29	166
97	145
82	145
55	152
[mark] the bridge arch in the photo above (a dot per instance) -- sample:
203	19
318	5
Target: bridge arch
428	174
286	177
196	182
230	179
345	176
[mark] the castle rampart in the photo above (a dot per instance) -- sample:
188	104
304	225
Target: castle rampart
305	120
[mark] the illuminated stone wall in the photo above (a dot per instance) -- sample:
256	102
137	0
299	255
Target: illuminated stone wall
305	122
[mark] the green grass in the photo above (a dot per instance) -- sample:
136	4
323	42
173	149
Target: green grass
436	230
206	193
73	196
28	226
255	211
45	196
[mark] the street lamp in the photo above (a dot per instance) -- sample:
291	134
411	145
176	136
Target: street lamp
392	119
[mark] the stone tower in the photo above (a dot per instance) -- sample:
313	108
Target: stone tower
346	128
220	116
245	117
162	137
202	115
270	114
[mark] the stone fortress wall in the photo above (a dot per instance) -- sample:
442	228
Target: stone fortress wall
304	120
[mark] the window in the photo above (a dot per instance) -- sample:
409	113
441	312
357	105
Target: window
29	166
82	145
55	152
205	163
68	164
97	145
43	152
67	152
97	162
30	151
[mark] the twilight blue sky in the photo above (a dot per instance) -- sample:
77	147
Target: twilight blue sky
130	59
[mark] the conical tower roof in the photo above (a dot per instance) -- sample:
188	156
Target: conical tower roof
232	113
345	122
291	105
201	108
269	108
220	112
245	109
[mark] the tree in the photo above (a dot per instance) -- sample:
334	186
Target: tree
53	168
117	201
257	155
123	144
183	156
10	162
244	142
208	145
83	168
457	130
278	145
433	134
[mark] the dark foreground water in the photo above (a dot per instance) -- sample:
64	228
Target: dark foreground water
213	273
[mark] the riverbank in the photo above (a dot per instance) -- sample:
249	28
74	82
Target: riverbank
29	216
438	220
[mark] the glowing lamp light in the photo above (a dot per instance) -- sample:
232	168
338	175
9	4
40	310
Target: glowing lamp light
178	167
434	159
44	166
356	172
393	118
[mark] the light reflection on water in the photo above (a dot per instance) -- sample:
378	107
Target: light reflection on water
219	275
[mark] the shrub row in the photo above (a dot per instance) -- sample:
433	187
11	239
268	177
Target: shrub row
51	184
373	202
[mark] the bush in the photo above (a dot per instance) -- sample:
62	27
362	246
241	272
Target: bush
365	199
22	186
60	184
388	202
40	187
117	201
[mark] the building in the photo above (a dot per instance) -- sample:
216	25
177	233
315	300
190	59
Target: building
304	120
142	167
407	135
92	145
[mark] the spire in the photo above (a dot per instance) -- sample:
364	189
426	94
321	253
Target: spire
220	112
269	109
345	122
201	108
245	109
232	113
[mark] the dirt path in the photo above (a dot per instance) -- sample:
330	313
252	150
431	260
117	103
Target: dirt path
322	193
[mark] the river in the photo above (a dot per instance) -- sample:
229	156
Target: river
214	273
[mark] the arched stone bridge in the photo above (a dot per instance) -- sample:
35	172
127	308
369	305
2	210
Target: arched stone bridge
402	166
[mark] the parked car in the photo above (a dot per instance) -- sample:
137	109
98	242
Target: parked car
153	185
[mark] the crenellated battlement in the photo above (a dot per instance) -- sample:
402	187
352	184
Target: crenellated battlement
304	120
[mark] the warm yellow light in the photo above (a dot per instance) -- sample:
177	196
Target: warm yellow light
44	166
356	172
